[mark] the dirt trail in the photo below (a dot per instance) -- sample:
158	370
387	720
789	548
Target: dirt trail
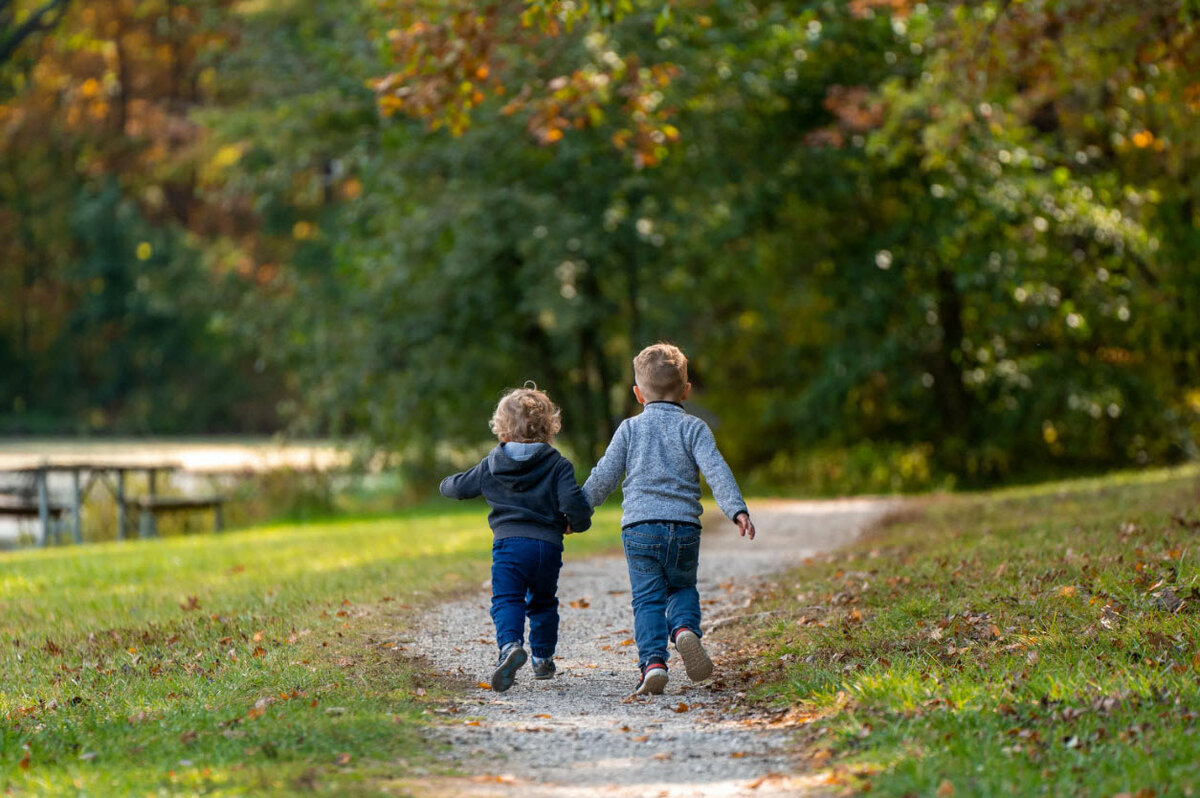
575	736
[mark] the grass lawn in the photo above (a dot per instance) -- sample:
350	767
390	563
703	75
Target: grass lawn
1036	641
258	661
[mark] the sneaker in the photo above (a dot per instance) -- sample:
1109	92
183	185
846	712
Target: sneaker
512	657
654	679
543	668
695	659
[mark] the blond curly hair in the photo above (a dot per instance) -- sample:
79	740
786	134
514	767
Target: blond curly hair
526	415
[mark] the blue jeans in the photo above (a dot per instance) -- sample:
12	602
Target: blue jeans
525	584
662	560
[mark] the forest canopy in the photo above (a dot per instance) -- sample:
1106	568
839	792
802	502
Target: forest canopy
905	241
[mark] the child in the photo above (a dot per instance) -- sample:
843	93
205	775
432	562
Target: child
534	498
661	454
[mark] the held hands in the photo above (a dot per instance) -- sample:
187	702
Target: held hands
745	524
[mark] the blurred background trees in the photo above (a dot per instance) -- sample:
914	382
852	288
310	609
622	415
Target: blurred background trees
903	243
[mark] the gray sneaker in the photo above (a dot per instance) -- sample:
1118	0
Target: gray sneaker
544	668
512	657
695	659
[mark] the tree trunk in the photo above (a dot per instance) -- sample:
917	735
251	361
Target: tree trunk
952	397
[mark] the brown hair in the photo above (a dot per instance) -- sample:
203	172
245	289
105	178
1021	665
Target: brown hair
660	370
526	415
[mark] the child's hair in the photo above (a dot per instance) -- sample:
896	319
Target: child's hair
526	415
660	370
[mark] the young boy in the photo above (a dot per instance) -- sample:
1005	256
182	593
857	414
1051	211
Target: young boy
534	498
661	453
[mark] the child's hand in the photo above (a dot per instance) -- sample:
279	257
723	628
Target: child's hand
745	525
569	531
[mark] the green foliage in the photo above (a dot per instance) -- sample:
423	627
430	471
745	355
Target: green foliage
1036	641
865	468
964	229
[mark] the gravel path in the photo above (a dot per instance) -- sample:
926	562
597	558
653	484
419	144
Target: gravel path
579	734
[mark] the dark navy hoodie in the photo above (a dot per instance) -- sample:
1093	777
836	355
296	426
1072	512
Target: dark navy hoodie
532	495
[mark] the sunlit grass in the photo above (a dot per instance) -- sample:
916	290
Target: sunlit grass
1013	642
260	660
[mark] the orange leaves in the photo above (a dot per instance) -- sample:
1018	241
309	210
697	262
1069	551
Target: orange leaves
444	64
857	110
192	603
343	759
450	60
680	707
483	686
1142	139
580	604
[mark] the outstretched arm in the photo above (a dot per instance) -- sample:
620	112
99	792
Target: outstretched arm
466	485
606	476
720	479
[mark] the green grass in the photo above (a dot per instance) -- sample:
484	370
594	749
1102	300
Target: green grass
258	661
1017	642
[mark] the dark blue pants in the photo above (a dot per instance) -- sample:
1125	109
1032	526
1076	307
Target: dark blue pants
525	584
662	560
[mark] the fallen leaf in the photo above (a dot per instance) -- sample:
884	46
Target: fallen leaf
627	642
663	756
641	739
470	723
192	603
484	686
24	763
945	789
343	759
855	617
737	755
681	707
1066	591
581	604
259	651
258	636
543	715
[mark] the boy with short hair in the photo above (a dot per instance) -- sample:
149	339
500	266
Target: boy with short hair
661	453
535	499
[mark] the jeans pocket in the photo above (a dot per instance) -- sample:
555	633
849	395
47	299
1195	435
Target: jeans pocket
642	557
687	559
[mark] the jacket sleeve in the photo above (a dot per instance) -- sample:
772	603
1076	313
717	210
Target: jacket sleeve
466	485
716	472
571	501
607	474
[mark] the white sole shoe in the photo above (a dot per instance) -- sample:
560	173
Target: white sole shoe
695	659
654	681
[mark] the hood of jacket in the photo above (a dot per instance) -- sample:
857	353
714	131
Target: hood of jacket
521	474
